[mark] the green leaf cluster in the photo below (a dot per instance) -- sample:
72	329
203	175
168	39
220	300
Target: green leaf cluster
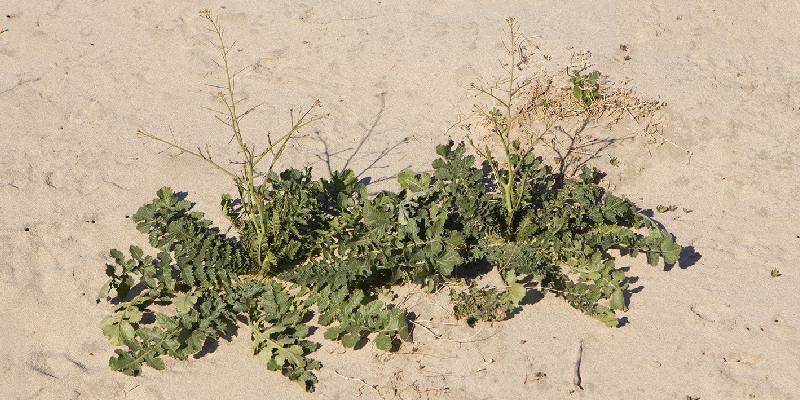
358	316
558	236
278	331
480	304
585	88
192	292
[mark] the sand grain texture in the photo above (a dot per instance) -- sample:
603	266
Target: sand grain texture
79	78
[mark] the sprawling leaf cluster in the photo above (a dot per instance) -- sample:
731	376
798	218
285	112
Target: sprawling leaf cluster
559	234
324	247
191	292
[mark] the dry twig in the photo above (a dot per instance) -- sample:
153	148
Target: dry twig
440	336
363	382
577	379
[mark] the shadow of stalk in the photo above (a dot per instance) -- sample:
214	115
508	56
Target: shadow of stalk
329	154
573	151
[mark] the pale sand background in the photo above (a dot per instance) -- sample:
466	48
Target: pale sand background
78	78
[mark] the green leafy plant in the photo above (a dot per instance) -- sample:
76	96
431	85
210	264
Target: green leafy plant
585	88
560	235
323	252
554	230
665	209
512	180
257	212
191	292
482	304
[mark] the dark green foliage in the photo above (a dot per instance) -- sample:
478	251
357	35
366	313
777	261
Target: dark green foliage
287	207
278	331
200	294
559	235
172	227
358	316
322	246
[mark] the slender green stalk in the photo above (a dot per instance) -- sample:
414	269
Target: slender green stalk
253	194
511	190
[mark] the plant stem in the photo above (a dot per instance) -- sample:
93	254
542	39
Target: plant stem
253	195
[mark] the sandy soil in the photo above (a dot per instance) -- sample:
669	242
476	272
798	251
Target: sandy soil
78	78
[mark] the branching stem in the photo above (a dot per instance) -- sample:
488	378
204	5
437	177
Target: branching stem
253	194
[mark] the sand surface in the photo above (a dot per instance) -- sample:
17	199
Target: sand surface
78	78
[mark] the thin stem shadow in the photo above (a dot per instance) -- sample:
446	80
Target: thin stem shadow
329	154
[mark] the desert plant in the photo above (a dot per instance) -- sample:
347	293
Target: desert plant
552	228
585	88
255	216
324	247
513	180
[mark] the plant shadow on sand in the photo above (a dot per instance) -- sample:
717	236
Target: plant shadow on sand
331	156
